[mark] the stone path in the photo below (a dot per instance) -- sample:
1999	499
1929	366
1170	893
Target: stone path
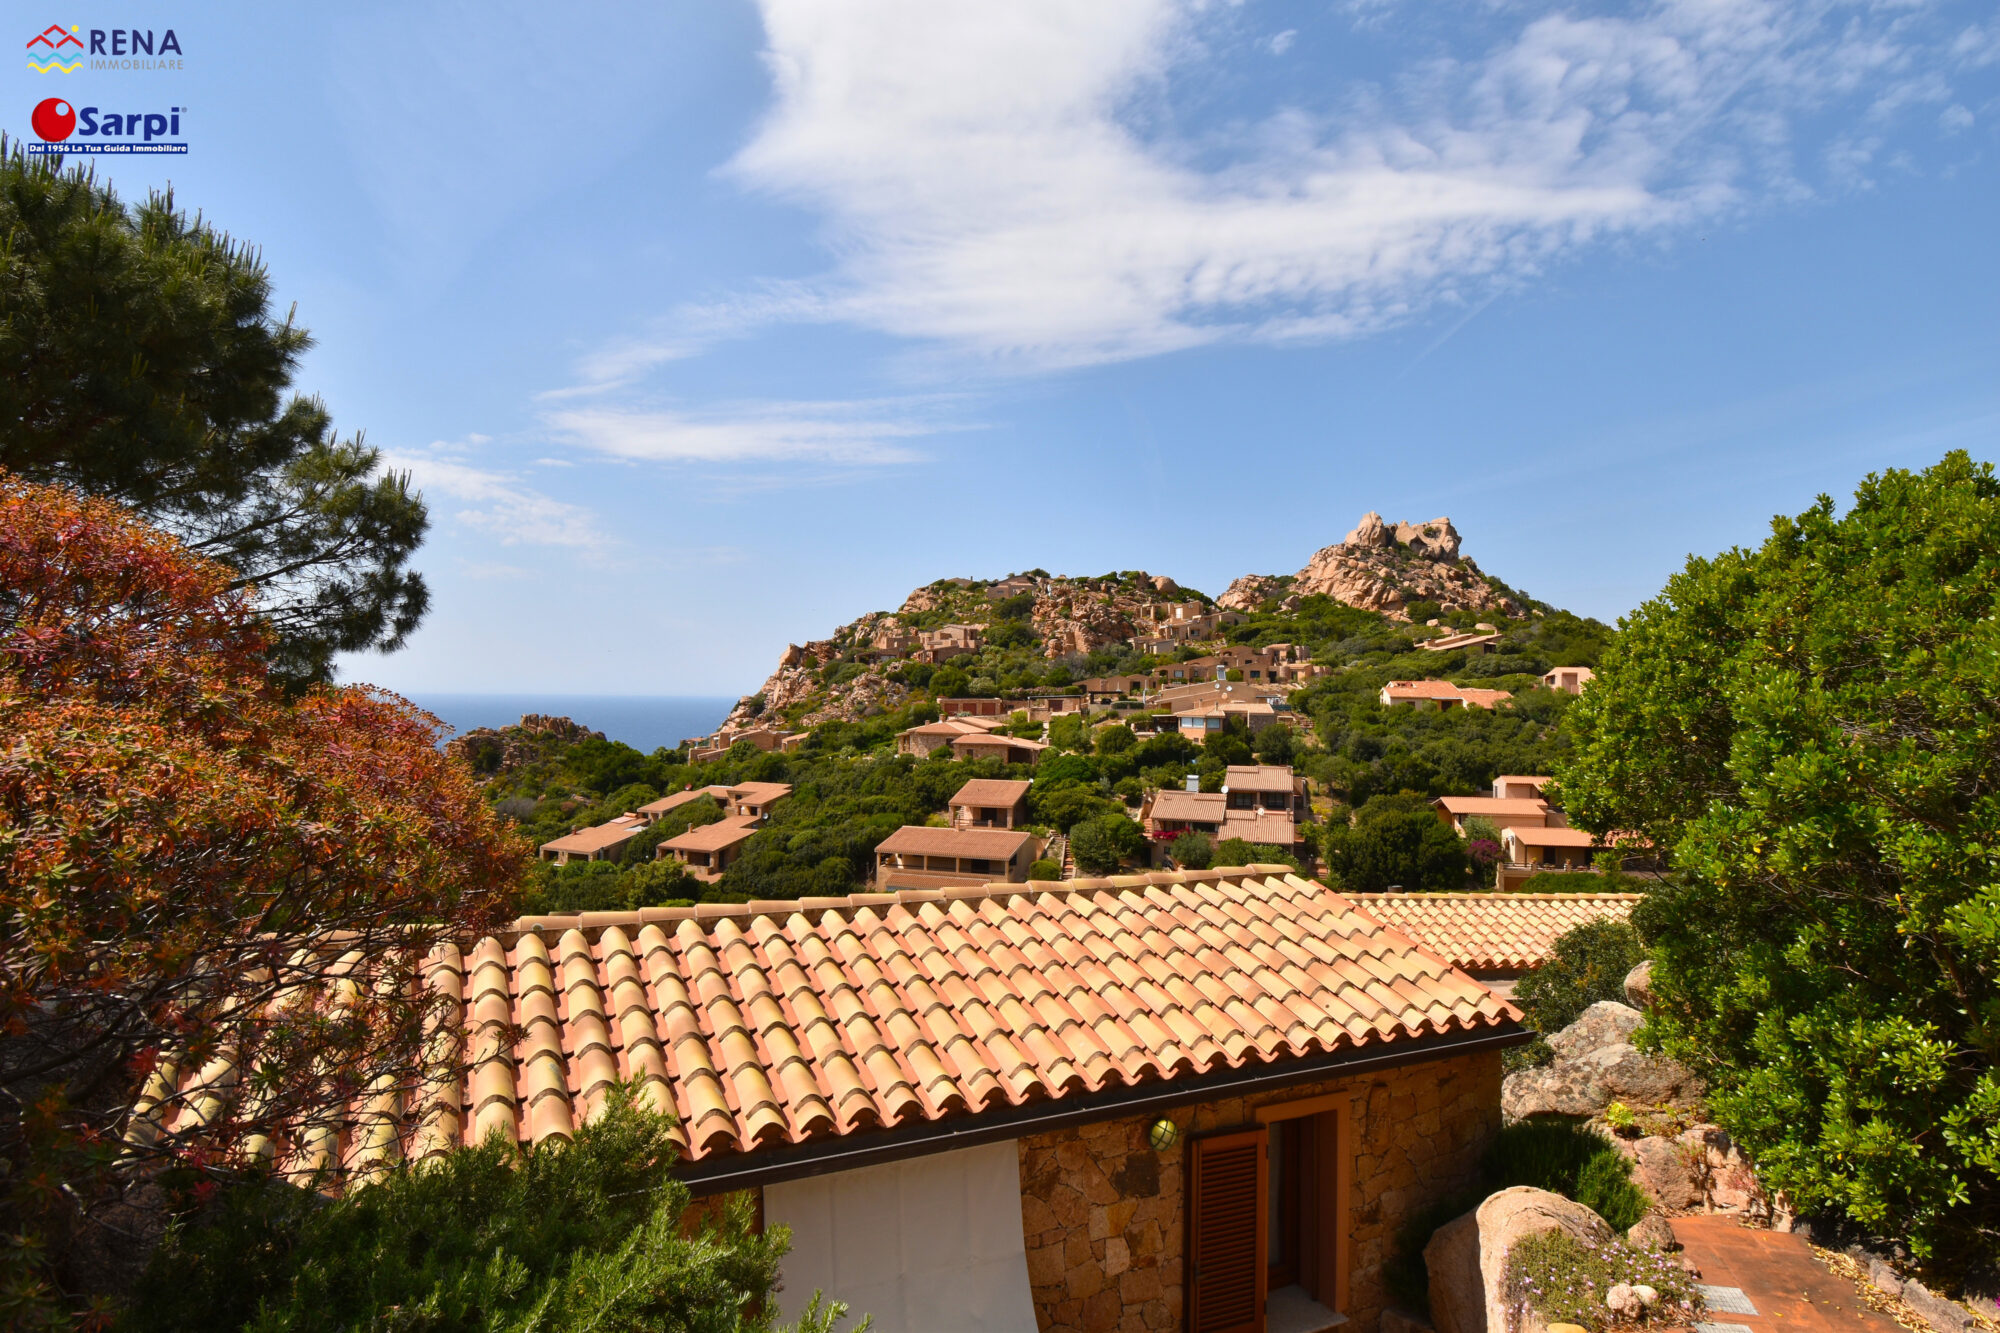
1778	1276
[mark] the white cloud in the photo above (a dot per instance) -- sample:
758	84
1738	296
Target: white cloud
500	505
1283	41
985	188
839	434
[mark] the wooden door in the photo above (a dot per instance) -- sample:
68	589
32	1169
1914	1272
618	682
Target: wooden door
1228	1210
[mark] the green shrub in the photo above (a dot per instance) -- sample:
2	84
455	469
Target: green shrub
569	1236
1805	732
1192	851
1569	1158
1586	964
1044	868
1565	1281
1100	844
1242	852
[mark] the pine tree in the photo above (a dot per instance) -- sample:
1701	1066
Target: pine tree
140	361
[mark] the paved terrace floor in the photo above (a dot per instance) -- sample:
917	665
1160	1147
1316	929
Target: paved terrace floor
1777	1273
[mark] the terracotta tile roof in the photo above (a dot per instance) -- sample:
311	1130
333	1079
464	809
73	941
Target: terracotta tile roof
1261	826
991	792
597	837
1492	805
723	833
987	844
1492	931
1552	837
760	793
1421	689
1258	777
667	804
768	1024
1539	779
1484	698
991	741
1201	807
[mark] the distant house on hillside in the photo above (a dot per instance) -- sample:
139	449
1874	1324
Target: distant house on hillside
1537	849
1440	694
766	739
1531	813
602	842
990	803
977	707
1104	689
997	745
752	799
921	741
654	811
917	856
1272	787
710	850
949	641
1570	680
1515	787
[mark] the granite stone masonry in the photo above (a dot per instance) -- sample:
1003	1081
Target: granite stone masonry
1102	1213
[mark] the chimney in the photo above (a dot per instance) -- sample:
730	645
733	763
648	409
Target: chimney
1193	782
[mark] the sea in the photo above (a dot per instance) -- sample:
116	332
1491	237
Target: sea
646	722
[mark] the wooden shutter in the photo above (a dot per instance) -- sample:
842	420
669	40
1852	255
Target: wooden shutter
1226	1240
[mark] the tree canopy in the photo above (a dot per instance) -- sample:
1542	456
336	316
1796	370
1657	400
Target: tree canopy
140	360
1810	732
210	891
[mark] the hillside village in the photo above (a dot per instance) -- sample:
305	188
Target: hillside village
1130	724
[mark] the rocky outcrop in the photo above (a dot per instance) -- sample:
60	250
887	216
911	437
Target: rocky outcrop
1250	592
1652	1232
1639	986
1467	1257
1596	1065
503	750
1384	567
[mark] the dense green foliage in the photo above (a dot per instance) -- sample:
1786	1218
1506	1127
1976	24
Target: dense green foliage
1394	842
140	360
584	1235
1569	1158
1586	964
1100	844
1809	731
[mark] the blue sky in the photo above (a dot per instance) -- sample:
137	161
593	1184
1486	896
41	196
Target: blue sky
706	327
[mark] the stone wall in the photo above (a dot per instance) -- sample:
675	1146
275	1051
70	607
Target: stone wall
1101	1212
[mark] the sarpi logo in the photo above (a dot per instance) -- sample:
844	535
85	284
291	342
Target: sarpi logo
56	50
56	122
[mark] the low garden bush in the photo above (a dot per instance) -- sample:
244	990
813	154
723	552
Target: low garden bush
1558	1279
569	1236
1569	1158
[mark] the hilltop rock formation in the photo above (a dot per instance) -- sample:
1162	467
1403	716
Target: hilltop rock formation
1251	591
1380	567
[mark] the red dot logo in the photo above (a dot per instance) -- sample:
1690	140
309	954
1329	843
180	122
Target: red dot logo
54	119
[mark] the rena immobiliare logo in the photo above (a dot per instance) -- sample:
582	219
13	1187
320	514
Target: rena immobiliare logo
56	50
65	128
